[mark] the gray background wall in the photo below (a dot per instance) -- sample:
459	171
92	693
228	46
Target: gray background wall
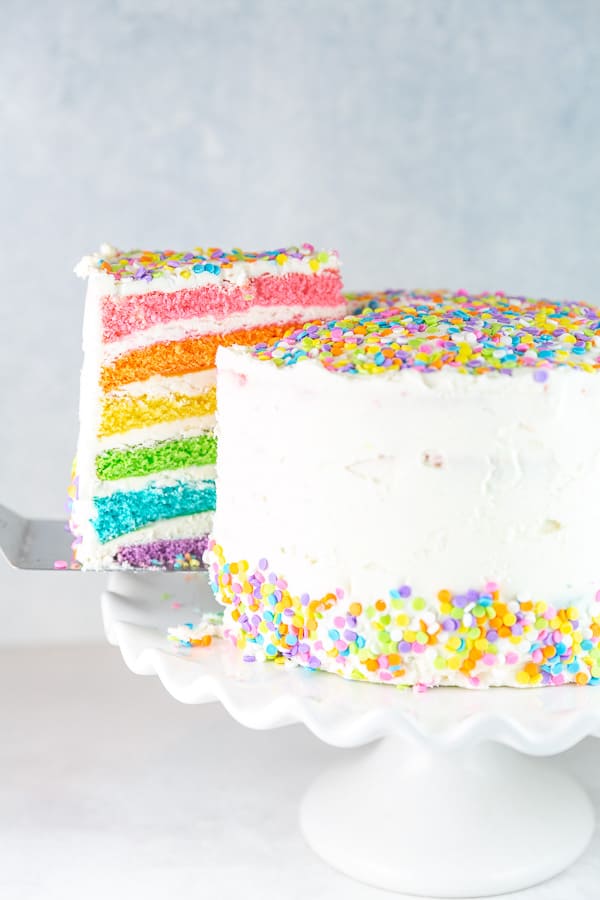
435	143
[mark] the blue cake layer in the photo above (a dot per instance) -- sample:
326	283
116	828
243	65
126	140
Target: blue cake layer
126	511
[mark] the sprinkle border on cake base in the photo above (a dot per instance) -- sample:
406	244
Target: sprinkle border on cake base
477	638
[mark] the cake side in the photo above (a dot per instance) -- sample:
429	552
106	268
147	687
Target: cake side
144	483
421	523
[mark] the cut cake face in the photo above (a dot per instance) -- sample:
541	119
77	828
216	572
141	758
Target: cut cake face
143	491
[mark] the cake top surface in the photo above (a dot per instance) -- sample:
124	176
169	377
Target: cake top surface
429	331
147	265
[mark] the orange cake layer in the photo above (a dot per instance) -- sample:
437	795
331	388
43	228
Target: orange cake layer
193	354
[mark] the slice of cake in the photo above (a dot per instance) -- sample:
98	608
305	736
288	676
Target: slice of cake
144	491
414	498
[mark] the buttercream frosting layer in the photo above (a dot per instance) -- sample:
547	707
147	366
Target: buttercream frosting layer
148	435
193	474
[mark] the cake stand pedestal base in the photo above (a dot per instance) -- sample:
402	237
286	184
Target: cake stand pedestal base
447	823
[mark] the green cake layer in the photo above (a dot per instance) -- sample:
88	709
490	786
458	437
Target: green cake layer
196	451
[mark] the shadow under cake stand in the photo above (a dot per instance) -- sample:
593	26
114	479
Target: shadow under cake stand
460	771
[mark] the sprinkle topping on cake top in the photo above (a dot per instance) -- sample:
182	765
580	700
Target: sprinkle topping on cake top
473	334
151	264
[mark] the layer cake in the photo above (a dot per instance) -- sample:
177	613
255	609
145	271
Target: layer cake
143	491
413	502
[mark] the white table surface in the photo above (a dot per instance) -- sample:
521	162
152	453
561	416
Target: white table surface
109	788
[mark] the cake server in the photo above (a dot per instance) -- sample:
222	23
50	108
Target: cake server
42	545
34	543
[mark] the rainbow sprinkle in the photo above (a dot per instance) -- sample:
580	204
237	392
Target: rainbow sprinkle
468	639
473	334
150	264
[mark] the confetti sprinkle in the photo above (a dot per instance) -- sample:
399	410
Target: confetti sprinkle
472	334
146	265
199	634
468	638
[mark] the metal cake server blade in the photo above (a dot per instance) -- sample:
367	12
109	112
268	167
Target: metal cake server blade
44	545
34	543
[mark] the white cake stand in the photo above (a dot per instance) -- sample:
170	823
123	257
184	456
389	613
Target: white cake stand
453	801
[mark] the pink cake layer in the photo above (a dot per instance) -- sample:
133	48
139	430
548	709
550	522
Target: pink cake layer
136	312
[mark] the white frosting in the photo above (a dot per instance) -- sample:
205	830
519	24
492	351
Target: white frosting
150	434
180	329
439	480
191	384
89	263
90	393
167	478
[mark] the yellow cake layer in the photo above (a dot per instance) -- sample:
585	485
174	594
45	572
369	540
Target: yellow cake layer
122	413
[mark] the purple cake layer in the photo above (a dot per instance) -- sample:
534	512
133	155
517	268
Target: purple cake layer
182	553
